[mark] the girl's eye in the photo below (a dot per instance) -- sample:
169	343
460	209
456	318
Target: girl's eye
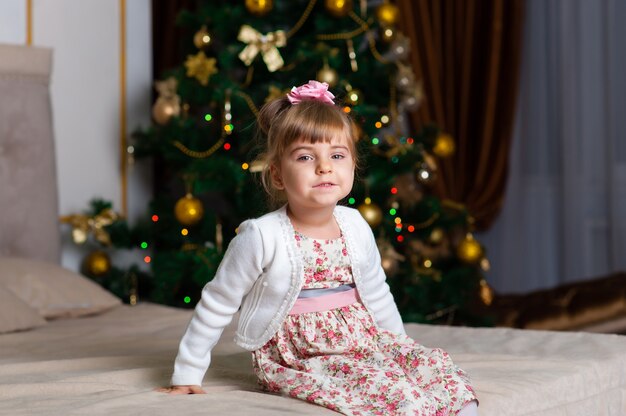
305	157
338	156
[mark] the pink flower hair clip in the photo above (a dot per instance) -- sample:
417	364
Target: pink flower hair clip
313	90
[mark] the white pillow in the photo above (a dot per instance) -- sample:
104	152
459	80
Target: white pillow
55	292
15	315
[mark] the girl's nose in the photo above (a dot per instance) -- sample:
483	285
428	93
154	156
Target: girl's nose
324	167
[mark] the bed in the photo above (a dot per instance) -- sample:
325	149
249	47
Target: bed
108	365
67	347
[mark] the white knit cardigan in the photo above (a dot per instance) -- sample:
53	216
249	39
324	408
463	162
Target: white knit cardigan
262	272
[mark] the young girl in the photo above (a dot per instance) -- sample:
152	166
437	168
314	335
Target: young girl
316	311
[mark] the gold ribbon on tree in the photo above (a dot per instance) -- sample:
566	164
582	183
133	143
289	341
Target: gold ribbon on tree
266	44
83	224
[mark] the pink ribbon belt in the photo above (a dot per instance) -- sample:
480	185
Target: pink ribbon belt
324	302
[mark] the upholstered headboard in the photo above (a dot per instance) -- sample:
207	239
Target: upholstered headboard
28	187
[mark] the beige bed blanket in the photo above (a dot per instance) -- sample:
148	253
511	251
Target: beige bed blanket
109	365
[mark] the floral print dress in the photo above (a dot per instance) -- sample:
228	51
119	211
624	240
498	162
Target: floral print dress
341	360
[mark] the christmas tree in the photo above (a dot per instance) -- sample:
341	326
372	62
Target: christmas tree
204	141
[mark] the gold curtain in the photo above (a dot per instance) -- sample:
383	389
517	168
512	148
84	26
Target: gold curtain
467	54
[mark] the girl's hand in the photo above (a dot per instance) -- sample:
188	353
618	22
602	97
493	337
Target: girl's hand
181	390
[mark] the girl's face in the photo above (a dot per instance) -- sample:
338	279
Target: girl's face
315	175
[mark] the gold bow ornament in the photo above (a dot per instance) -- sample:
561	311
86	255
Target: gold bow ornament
266	44
83	224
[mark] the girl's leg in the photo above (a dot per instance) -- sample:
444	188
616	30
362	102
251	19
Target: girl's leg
470	409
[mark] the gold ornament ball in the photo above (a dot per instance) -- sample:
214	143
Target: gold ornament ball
259	7
444	145
188	210
469	250
354	97
372	214
328	75
338	8
164	109
97	263
202	38
387	14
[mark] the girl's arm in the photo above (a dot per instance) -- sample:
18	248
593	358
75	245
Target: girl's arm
221	298
380	300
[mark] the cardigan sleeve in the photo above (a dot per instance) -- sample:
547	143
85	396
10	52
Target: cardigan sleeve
221	299
381	301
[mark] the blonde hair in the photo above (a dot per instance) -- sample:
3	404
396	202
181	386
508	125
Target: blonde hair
313	121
